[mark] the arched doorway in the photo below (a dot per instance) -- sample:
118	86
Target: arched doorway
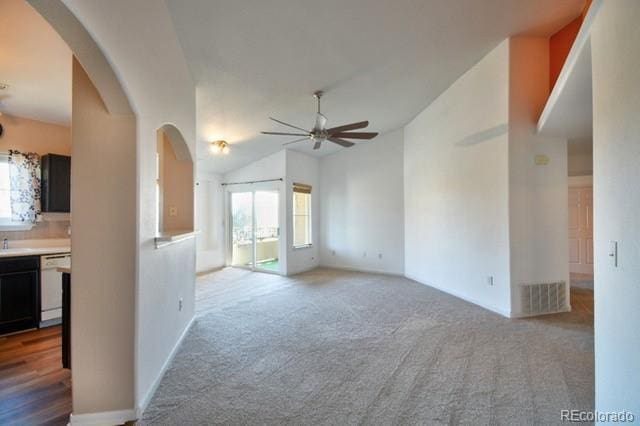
103	229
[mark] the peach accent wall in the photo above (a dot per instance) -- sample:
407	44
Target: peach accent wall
177	191
103	241
560	44
29	135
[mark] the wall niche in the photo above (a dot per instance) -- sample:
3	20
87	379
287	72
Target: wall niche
174	187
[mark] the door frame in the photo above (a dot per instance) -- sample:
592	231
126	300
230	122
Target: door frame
253	188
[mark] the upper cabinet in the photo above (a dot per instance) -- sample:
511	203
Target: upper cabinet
56	183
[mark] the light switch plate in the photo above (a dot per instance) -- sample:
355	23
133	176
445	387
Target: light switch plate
541	160
173	211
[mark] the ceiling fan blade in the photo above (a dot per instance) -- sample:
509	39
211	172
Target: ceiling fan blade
347	127
321	121
285	134
290	125
296	141
317	145
341	142
355	135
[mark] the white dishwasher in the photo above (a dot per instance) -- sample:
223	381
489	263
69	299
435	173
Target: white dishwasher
51	287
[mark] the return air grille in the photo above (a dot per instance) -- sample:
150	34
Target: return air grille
543	298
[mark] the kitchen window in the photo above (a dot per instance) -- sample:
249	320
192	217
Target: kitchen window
22	213
5	190
301	215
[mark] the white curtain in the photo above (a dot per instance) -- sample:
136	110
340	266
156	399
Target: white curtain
24	176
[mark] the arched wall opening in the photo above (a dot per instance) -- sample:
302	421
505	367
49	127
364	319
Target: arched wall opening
175	183
103	229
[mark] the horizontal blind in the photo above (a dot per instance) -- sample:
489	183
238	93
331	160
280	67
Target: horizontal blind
301	187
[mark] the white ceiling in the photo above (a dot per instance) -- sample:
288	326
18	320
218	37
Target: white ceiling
379	60
571	115
35	63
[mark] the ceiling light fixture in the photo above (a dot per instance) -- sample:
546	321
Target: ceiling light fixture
219	147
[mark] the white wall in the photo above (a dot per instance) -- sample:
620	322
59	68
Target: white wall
538	198
456	187
580	157
615	50
270	167
139	42
302	168
210	252
580	164
362	208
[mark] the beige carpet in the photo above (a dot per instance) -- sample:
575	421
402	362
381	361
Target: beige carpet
334	347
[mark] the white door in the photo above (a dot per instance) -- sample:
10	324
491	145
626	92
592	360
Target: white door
581	230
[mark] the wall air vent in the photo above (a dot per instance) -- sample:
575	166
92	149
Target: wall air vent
543	298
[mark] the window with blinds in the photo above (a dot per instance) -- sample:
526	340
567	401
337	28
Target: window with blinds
301	215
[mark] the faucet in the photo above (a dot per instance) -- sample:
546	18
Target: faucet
5	244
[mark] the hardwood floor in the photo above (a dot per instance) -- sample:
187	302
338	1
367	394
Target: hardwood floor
582	293
34	388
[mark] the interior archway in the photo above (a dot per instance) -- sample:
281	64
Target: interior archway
103	229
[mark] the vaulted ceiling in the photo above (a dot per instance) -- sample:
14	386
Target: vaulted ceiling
379	60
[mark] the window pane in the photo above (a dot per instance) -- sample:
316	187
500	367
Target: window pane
5	194
301	219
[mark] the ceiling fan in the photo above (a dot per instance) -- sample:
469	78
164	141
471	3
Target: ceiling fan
320	133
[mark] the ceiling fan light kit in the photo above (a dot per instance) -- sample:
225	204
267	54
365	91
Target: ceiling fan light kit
320	133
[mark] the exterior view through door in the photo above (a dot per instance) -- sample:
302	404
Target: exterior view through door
255	230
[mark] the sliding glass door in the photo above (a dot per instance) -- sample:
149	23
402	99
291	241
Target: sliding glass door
255	239
242	229
267	235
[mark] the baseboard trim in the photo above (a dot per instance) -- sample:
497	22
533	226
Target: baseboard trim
300	271
491	308
209	270
519	315
104	418
152	390
363	270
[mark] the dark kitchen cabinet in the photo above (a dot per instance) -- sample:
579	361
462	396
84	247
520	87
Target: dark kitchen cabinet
66	320
19	299
56	183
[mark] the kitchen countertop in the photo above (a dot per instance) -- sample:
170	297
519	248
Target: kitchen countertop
36	247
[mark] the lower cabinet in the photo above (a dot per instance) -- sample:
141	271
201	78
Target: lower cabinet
19	299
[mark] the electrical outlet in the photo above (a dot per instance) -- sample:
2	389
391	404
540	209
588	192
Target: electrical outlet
173	211
490	280
613	253
180	304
